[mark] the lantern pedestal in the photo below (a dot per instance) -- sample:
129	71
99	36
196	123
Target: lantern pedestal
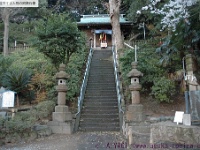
62	114
135	113
61	127
62	120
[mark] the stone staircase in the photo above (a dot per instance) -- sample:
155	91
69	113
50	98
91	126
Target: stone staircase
100	108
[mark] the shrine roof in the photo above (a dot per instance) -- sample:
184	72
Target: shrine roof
100	19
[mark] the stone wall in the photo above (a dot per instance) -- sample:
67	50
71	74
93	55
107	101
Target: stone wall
172	133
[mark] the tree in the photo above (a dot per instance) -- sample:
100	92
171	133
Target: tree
172	12
18	81
58	38
5	17
114	8
5	14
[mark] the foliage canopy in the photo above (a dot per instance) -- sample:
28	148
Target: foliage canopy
58	38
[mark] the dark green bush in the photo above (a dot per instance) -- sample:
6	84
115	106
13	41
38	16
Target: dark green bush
148	64
163	89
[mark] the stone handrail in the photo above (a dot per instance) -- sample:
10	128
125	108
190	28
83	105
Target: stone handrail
117	79
118	87
84	83
83	88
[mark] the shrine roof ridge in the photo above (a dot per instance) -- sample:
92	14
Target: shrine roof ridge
100	18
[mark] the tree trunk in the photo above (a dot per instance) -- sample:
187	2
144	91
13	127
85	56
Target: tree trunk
114	6
6	15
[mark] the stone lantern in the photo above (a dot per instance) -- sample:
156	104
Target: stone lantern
61	88
62	117
135	86
135	110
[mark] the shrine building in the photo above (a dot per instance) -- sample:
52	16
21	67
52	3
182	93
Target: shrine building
99	30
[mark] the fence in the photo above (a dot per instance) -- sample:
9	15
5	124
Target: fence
18	48
139	42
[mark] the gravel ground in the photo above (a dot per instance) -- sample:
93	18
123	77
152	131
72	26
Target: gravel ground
90	141
77	141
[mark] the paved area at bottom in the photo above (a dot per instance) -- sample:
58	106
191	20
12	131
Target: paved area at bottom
91	141
77	141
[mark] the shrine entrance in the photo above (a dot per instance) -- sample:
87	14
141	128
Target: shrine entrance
102	38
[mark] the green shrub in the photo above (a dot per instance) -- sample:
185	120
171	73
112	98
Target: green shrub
75	70
163	89
33	60
44	109
153	81
41	68
23	122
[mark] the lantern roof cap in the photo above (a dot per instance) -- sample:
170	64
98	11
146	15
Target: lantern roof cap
62	74
134	72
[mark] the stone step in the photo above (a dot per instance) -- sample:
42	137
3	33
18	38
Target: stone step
86	113
102	87
97	64
98	88
96	100
101	81
102	67
97	76
103	97
99	109
101	62
101	76
94	128
99	103
101	93
99	124
103	54
102	115
102	71
104	57
99	120
107	84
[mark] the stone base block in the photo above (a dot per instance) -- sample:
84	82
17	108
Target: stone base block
61	108
170	132
61	127
62	116
135	108
135	113
136	130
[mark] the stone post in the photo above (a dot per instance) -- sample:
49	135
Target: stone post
62	117
135	110
190	77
